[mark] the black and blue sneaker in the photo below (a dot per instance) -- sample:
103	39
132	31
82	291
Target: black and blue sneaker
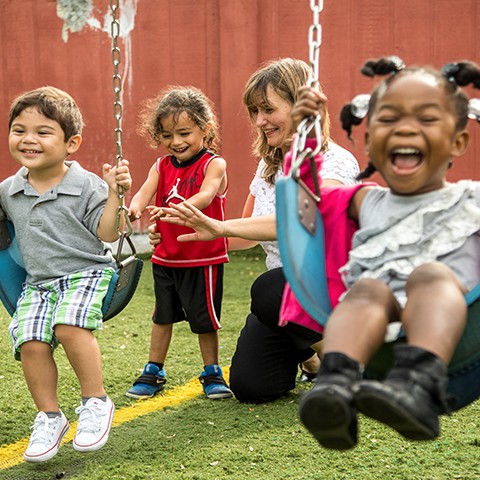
213	383
150	382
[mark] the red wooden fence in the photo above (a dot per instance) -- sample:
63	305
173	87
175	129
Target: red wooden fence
216	45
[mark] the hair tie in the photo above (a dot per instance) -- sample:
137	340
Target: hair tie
397	62
474	109
354	112
359	105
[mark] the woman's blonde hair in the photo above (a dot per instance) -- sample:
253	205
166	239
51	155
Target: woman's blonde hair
285	76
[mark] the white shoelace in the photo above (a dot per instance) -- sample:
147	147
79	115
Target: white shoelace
89	417
43	429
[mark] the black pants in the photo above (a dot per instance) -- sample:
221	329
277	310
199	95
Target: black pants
265	362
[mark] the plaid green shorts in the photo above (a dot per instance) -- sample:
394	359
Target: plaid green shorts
75	300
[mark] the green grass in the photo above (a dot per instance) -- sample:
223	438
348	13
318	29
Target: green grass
204	439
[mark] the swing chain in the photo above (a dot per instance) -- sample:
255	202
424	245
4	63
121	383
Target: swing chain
314	42
117	113
313	123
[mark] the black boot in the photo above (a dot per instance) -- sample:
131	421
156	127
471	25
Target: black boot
411	397
328	409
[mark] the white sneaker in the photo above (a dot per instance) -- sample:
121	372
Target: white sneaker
46	437
94	422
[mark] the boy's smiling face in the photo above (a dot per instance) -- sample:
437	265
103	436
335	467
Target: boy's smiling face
38	142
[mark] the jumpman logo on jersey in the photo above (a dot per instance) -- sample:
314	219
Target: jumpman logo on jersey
173	193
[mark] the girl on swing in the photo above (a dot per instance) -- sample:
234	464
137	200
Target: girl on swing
415	255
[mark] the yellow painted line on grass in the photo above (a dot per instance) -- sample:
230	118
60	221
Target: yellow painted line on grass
11	455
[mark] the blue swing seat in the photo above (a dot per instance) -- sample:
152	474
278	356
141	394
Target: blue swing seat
303	256
300	236
11	265
124	281
120	290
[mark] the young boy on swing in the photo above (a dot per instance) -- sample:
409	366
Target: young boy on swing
62	215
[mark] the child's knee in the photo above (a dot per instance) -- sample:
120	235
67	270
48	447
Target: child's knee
65	333
34	347
369	290
430	272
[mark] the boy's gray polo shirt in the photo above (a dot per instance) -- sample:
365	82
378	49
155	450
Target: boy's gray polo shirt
56	231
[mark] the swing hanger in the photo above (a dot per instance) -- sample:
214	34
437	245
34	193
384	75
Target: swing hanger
127	275
300	153
122	210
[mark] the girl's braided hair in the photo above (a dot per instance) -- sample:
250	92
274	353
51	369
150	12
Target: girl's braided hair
452	76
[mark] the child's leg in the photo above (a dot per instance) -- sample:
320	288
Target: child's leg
211	378
83	353
413	394
435	315
160	339
50	424
354	331
358	324
168	308
153	378
209	347
41	374
95	414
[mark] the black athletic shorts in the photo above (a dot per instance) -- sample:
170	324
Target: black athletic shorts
193	294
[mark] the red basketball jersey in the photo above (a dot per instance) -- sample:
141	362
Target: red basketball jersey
177	183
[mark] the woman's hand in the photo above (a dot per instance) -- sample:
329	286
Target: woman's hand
310	103
206	228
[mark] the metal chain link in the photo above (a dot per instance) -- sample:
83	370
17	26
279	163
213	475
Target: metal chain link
313	123
118	113
314	42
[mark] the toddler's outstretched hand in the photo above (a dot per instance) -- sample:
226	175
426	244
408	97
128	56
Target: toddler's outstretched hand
154	237
155	213
117	175
206	228
310	103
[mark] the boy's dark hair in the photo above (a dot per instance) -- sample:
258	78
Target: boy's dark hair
54	104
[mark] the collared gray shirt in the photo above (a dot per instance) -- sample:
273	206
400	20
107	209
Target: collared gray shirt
56	231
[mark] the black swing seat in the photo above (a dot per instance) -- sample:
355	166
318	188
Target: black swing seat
123	283
120	290
302	249
467	353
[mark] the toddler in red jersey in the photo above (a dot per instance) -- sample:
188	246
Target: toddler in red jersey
188	279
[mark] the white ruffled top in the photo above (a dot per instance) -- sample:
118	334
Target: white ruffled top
399	233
